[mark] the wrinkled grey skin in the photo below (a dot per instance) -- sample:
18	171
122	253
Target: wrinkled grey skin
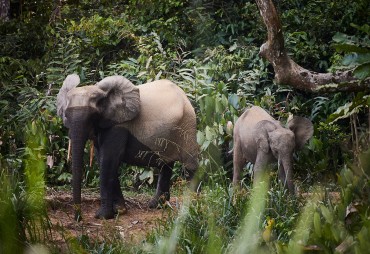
261	140
147	125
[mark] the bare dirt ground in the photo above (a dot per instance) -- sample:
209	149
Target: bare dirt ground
131	227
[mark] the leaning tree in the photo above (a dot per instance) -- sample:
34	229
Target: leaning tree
288	72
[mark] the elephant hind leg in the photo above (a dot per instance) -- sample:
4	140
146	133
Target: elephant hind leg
190	166
163	187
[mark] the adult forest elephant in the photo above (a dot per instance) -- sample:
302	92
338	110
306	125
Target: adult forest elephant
146	125
260	139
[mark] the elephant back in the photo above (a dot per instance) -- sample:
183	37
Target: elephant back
166	119
252	116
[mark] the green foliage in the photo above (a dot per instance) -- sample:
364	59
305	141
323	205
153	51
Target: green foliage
210	49
8	219
22	211
35	168
357	51
165	18
65	58
344	224
98	31
306	49
323	221
324	155
283	208
358	104
248	236
15	38
299	17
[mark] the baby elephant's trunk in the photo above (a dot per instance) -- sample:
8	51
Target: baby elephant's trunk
286	174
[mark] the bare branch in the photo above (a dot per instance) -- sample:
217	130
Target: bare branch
287	72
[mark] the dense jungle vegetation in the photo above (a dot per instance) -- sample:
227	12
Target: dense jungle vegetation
210	49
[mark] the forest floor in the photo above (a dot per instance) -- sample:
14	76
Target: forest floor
132	227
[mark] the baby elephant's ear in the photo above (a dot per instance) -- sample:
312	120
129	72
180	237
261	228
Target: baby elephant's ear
303	130
122	102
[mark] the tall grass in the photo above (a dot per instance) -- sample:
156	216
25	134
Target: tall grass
248	236
221	221
8	219
23	217
218	220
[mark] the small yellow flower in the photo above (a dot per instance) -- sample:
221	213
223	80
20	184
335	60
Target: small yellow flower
267	234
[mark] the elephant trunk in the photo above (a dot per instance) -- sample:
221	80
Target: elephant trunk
79	135
287	168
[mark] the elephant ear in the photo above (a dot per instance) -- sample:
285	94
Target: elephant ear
302	129
71	81
261	134
122	101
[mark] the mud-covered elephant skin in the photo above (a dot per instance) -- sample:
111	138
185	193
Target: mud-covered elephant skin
261	140
150	125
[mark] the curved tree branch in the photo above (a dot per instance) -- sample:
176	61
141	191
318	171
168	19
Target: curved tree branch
288	72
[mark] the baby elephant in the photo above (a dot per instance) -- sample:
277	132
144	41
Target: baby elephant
260	139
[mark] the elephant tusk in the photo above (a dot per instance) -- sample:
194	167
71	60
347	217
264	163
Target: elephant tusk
91	152
69	150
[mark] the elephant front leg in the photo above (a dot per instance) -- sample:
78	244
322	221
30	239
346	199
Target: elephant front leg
112	201
119	203
107	183
163	187
104	212
261	166
111	150
238	162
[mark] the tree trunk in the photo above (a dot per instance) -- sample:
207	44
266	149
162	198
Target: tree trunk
287	72
4	10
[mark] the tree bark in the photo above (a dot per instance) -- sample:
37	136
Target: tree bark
4	10
287	72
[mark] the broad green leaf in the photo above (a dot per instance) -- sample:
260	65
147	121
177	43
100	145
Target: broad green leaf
350	59
209	133
340	37
365	28
317	224
362	71
234	101
356	58
205	145
200	137
327	214
350	48
221	129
